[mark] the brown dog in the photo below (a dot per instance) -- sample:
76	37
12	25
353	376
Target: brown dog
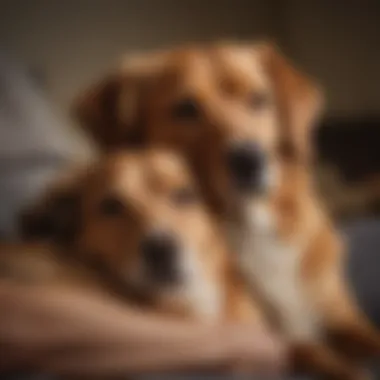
243	115
137	219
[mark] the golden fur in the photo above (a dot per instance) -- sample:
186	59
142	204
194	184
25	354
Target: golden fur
100	214
243	92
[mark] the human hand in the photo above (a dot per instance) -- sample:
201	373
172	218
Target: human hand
253	350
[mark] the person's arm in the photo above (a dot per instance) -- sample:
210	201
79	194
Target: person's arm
78	334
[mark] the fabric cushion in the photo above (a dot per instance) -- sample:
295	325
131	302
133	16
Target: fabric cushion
35	142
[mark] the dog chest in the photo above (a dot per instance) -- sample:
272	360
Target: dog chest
271	266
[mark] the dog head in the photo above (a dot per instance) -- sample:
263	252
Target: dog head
138	216
237	111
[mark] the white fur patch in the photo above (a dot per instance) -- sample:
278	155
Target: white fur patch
202	294
196	292
272	267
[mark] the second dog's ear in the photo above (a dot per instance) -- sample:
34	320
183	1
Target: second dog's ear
299	100
54	219
111	109
96	110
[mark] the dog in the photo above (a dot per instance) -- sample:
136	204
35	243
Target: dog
244	115
137	220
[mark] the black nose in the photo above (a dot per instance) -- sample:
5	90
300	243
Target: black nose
246	166
159	250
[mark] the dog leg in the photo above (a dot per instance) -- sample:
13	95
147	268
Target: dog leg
318	359
340	314
348	326
306	356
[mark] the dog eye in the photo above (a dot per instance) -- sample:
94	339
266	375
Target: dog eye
184	196
186	109
111	206
259	100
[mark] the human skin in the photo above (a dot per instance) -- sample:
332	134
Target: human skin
75	333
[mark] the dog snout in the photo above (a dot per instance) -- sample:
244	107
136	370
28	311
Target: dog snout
160	251
246	164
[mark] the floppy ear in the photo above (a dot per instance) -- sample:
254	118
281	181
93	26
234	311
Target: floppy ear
96	110
111	110
299	103
55	218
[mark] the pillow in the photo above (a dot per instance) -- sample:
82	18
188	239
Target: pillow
35	142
